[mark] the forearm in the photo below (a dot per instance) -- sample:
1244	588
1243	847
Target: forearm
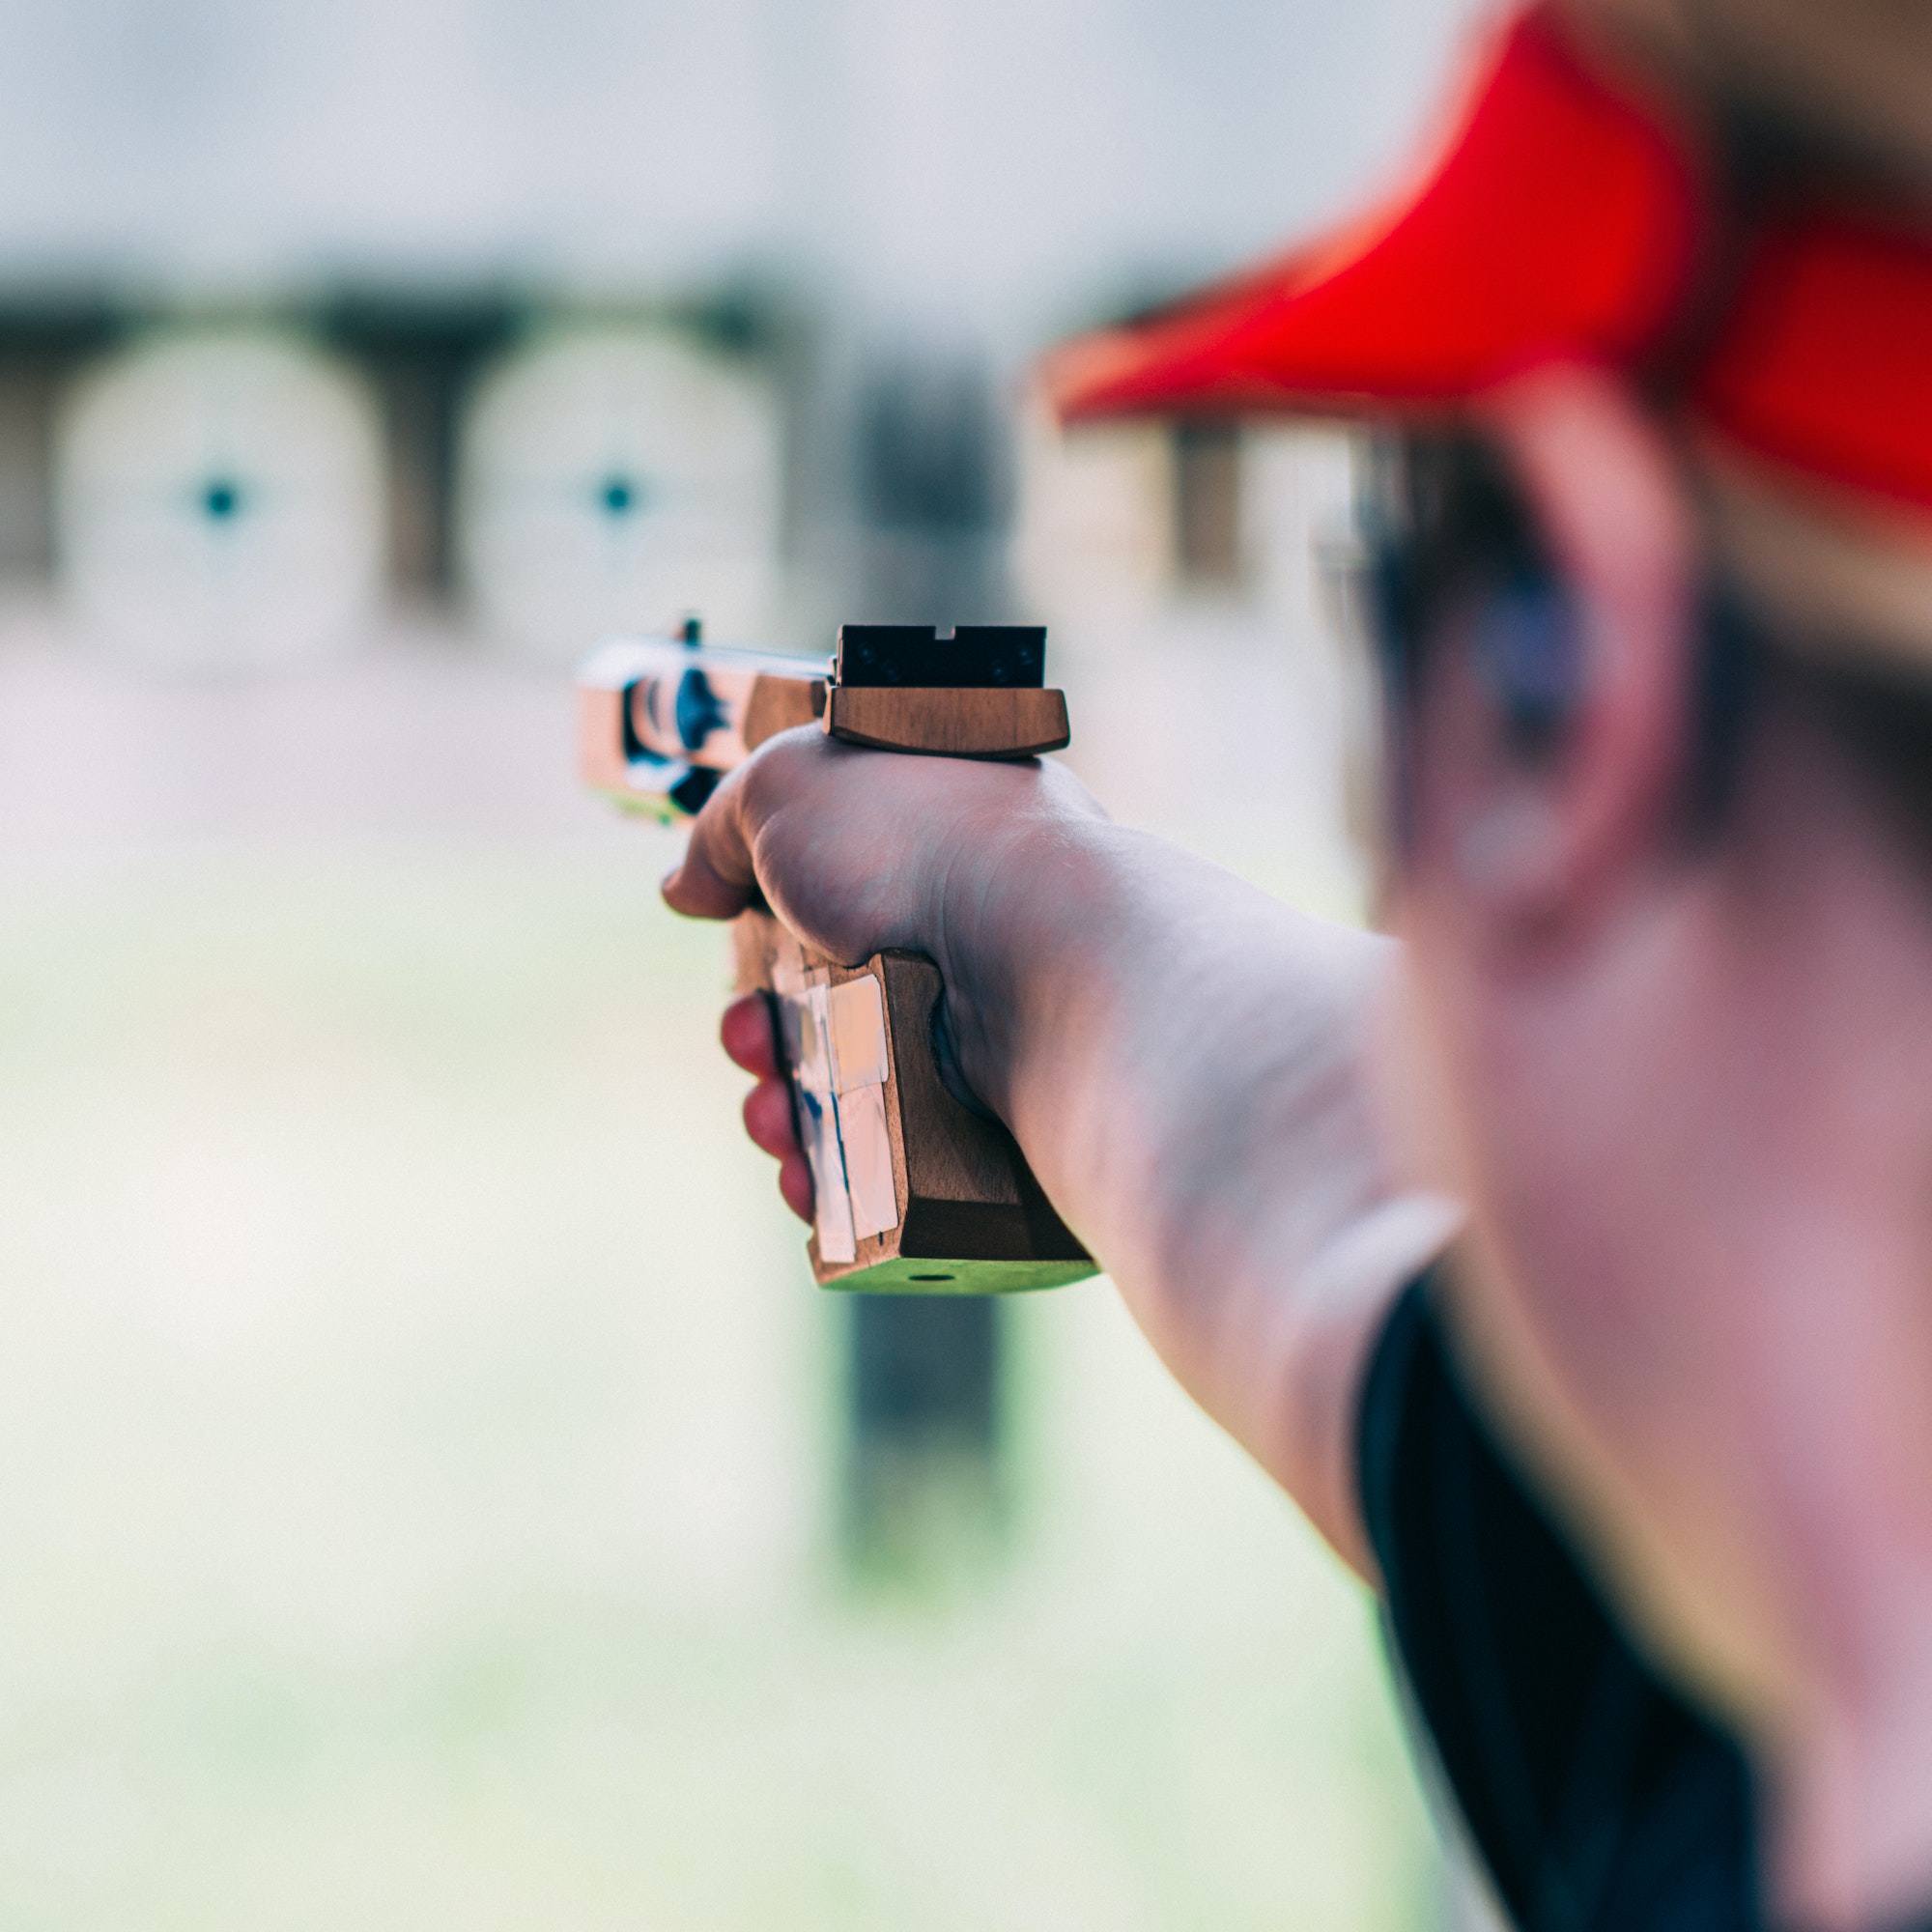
1184	1060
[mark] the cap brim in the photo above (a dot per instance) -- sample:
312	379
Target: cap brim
1560	221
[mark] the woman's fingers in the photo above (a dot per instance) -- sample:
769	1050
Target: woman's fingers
746	1031
716	880
768	1122
768	1117
795	1184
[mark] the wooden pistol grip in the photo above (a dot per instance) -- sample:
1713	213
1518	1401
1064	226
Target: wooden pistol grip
780	705
967	1215
1004	722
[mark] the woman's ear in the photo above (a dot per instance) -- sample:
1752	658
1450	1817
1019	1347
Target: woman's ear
1561	707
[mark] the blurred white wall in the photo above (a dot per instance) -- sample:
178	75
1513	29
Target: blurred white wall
987	164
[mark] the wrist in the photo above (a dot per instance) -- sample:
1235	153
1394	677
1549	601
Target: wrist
1019	919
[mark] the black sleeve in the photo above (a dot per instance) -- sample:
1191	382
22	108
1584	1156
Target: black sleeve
1597	1799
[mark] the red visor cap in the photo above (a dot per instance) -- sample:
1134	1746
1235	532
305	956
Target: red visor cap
1823	362
1563	222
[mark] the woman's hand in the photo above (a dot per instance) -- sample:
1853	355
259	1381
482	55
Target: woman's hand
1182	1060
857	852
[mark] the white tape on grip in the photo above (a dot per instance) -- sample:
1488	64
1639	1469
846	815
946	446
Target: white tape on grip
834	1041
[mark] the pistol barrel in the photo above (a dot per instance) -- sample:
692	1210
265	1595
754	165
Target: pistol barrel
663	720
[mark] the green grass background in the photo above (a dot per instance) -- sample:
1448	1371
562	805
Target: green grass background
418	1439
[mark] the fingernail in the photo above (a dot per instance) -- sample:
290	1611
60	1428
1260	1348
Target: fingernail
668	881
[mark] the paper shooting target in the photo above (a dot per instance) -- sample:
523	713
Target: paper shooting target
219	501
614	479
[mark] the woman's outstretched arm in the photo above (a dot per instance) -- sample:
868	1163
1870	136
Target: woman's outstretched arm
1184	1060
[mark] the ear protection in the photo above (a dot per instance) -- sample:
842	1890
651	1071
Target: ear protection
1453	554
1527	650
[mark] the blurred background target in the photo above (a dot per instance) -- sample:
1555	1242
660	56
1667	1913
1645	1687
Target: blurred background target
218	500
612	479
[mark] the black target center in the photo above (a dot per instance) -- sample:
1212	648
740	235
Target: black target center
619	496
